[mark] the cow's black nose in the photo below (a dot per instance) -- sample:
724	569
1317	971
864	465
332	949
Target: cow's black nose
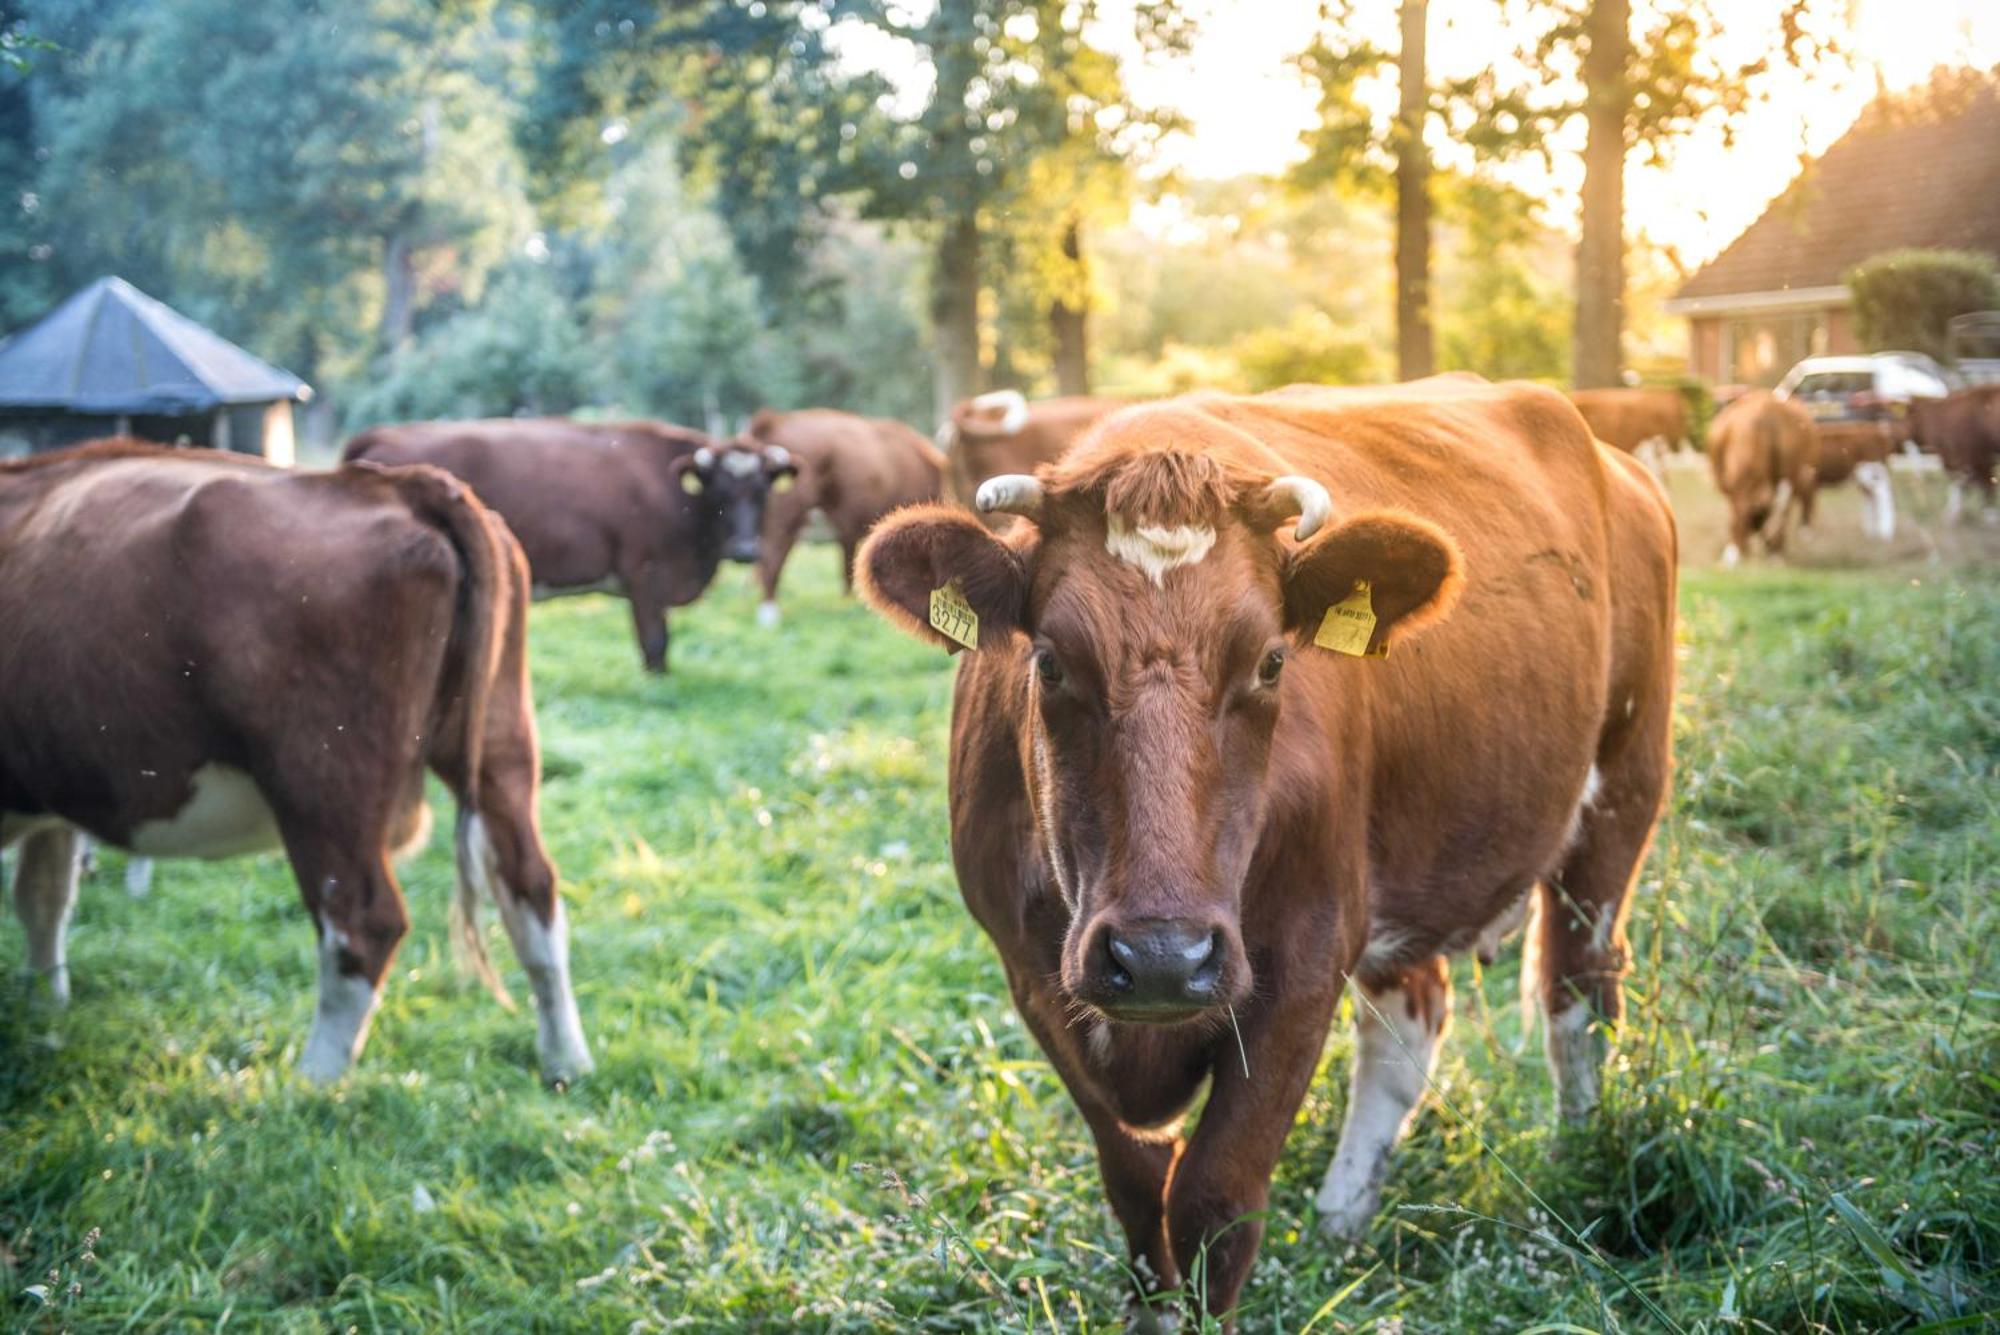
741	552
1163	964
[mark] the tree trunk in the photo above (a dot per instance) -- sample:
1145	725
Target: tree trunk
1069	325
1600	251
1415	354
955	316
399	299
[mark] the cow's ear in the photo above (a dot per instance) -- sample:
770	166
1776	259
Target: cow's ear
920	550
1411	567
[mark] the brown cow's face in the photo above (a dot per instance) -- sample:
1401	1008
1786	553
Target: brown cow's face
1152	707
1156	659
729	488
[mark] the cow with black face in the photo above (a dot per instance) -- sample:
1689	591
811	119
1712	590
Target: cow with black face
644	509
1277	693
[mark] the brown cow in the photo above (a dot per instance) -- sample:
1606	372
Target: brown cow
1964	432
641	508
853	470
1002	432
1857	450
1629	418
208	656
1761	449
1185	826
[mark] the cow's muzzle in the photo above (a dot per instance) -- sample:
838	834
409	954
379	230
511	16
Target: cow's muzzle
1157	970
742	551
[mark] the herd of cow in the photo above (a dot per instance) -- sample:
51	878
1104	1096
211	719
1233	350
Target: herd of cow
1267	696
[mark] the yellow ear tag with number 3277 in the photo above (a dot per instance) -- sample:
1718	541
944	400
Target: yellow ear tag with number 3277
953	617
1350	624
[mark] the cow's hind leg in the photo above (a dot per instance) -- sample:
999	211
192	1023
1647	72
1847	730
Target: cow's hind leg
358	912
50	861
1579	948
1399	1019
501	854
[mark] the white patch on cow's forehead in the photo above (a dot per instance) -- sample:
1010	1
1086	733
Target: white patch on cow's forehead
1155	548
741	463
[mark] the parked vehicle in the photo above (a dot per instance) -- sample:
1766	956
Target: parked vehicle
1876	387
1975	346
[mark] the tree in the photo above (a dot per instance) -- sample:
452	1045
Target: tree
1638	96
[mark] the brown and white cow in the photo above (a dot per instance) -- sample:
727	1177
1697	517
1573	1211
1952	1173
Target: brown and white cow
1002	432
1761	450
641	508
1964	432
1186	825
851	469
204	656
1859	451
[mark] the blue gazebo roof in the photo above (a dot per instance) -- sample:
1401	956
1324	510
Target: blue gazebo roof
113	349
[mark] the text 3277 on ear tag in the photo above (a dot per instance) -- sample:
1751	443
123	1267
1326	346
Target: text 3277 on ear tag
953	617
1350	624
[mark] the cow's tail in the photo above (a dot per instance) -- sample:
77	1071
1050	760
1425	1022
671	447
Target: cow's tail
487	592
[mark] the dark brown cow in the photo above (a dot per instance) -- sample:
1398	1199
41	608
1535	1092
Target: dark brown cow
206	656
640	508
1761	450
1857	450
853	470
1002	433
1964	432
1630	418
1185	826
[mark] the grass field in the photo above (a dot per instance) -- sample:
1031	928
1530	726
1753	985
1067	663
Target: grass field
814	1108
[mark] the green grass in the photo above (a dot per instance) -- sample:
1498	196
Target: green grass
815	1108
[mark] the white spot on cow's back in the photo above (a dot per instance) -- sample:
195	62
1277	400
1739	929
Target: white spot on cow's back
226	816
1155	548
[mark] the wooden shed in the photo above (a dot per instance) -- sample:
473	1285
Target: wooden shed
113	361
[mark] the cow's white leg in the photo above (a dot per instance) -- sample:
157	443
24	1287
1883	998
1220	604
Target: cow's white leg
1879	515
1954	500
138	877
45	875
1396	1033
767	614
1732	556
346	1005
543	949
1576	1048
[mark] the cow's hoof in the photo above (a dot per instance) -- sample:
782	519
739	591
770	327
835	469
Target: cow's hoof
767	615
563	1074
1161	1317
50	989
320	1068
1344	1221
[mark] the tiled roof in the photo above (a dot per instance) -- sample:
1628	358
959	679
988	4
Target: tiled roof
1901	177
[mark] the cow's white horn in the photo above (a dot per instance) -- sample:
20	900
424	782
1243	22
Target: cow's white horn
1010	494
704	458
1315	506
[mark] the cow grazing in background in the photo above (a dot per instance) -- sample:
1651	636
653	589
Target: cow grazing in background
1002	432
853	470
1964	432
640	508
1186	825
1857	450
208	656
1644	422
1761	450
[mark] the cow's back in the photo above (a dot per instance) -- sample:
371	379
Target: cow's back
185	602
580	497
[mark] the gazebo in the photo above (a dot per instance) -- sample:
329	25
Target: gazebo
113	361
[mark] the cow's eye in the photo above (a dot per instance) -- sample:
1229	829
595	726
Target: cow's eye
1268	670
1047	668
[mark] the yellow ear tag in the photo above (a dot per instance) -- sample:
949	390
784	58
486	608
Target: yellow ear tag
782	483
953	617
691	482
1349	625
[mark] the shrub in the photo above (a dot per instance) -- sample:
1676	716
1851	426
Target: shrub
1904	298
